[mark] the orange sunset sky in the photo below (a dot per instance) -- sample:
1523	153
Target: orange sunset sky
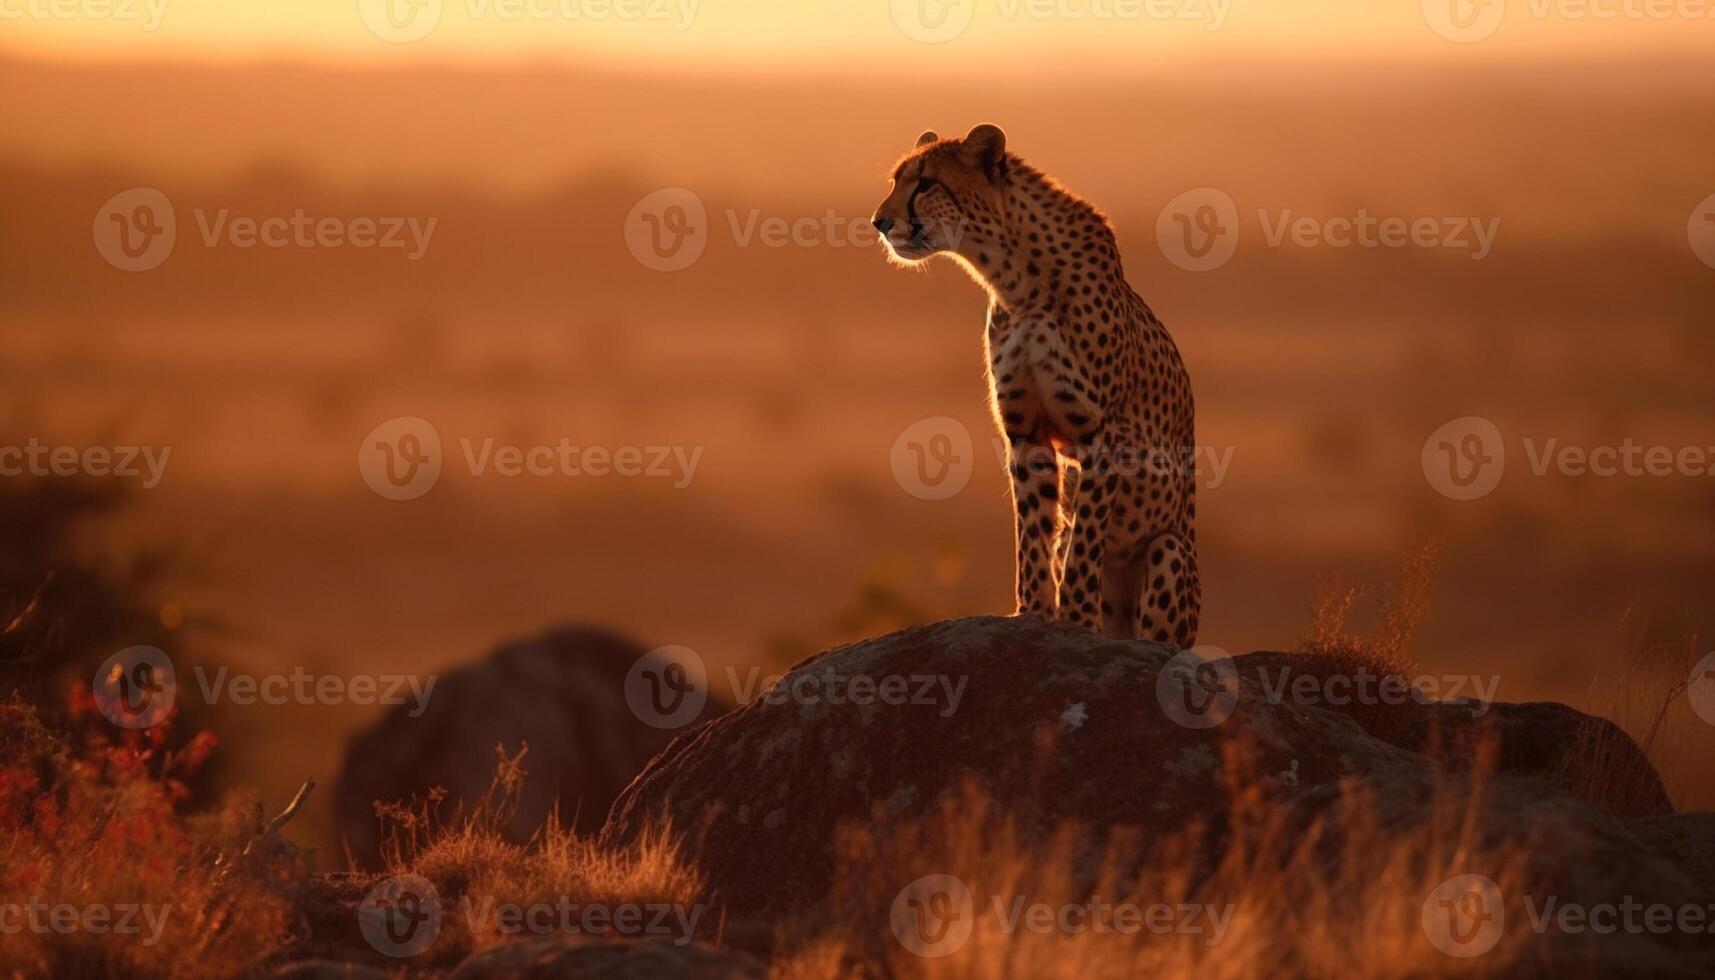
865	33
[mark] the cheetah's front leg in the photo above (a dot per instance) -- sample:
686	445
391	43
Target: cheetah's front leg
1098	483
1035	470
1075	415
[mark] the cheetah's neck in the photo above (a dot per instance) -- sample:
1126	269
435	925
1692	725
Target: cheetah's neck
1048	234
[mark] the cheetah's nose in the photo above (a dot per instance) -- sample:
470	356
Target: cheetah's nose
882	224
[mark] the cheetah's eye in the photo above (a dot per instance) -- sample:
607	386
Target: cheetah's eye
924	184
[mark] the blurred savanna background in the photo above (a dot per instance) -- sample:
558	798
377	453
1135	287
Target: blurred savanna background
527	141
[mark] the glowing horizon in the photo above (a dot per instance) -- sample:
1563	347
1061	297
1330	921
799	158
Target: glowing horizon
916	35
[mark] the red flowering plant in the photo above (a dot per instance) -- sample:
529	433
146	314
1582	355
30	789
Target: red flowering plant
106	873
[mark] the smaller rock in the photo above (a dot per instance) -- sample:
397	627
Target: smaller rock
563	693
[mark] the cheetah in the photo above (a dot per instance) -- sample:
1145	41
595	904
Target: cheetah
1086	386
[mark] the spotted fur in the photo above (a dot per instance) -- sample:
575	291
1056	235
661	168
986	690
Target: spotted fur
1087	387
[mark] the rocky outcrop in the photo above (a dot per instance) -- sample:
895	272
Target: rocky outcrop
563	693
596	959
1061	725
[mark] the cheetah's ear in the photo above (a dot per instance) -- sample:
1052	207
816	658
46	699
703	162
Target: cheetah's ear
985	147
927	138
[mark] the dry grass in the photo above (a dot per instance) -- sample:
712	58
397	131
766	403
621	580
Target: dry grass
1341	897
1338	896
475	868
1647	701
1386	647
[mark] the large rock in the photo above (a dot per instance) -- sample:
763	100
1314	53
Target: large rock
1061	725
602	959
563	693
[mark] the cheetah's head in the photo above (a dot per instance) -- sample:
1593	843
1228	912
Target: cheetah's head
942	191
